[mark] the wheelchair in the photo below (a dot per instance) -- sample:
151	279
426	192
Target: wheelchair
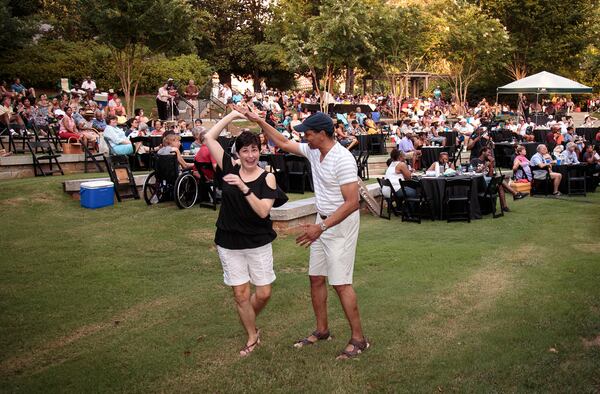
167	182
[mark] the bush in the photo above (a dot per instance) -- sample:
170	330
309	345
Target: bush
42	65
181	69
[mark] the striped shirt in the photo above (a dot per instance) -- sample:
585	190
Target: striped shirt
337	168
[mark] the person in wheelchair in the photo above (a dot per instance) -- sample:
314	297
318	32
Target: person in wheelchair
171	144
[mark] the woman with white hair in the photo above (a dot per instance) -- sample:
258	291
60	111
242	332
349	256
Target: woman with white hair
570	154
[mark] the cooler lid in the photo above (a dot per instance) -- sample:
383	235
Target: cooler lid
96	184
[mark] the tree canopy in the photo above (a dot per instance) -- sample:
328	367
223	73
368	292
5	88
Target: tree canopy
481	42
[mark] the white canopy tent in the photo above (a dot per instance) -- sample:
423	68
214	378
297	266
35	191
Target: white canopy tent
542	83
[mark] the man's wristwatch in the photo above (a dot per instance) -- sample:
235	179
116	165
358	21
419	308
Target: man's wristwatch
323	226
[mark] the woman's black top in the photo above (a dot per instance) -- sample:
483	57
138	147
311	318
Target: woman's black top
238	226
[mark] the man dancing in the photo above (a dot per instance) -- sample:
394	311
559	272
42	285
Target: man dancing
332	239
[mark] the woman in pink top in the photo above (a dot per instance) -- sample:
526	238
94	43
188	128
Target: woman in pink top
521	167
68	129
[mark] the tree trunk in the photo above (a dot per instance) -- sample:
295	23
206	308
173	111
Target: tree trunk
350	80
225	77
255	82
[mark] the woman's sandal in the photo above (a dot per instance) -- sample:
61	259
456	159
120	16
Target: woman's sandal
357	348
250	348
321	336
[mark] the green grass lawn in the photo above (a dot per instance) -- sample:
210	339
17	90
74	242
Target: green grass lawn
130	299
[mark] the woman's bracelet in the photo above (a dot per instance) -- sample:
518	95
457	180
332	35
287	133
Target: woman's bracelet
248	192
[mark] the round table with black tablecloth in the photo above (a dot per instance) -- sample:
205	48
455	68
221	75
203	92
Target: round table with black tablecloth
435	187
430	154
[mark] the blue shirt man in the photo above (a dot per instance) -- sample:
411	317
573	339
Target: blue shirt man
99	124
17	87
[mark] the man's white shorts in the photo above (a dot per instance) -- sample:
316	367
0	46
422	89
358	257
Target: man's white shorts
247	265
332	255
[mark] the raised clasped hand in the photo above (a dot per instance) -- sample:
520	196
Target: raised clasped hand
247	113
310	233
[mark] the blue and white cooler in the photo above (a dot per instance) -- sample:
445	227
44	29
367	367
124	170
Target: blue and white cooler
97	194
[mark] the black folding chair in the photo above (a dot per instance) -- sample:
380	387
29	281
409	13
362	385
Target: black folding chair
457	199
490	195
576	179
392	201
207	189
91	157
120	174
363	168
414	207
536	183
43	155
298	174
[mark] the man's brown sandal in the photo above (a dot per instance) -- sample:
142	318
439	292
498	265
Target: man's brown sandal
321	336
357	348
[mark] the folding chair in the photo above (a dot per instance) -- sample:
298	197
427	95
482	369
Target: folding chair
546	181
363	167
298	174
413	207
207	192
42	154
120	174
576	179
392	202
490	195
457	193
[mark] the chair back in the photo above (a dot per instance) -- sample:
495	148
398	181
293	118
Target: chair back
37	147
413	184
458	187
494	185
204	166
167	168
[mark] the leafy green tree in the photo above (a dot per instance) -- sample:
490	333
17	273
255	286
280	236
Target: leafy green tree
590	59
334	40
136	30
545	35
16	25
405	37
471	45
232	37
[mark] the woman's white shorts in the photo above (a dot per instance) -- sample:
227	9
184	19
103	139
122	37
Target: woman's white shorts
247	265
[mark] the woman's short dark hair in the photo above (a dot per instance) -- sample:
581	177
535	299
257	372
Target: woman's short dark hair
110	117
395	155
247	138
